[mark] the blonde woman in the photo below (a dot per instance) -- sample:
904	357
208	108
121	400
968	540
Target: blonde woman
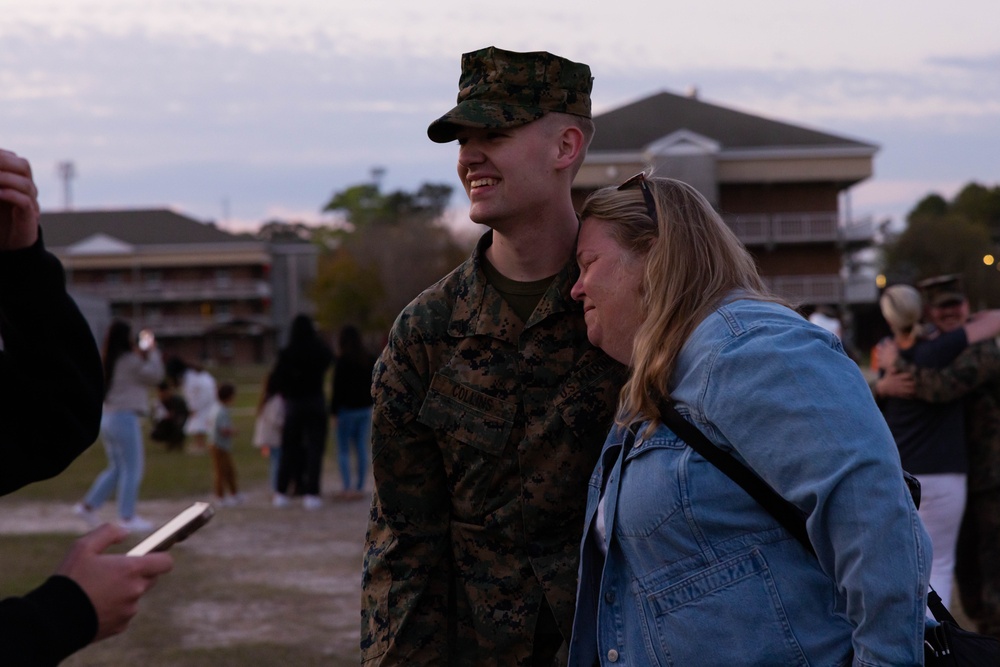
931	436
678	564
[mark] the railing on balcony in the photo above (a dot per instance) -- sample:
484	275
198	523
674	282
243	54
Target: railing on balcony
823	289
165	326
171	290
774	228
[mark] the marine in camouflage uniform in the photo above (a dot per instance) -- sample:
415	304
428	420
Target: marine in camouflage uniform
975	375
486	428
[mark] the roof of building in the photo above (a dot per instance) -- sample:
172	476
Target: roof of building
636	125
134	227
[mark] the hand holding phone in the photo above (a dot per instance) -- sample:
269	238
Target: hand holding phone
175	530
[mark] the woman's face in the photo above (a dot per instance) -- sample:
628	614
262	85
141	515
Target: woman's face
610	287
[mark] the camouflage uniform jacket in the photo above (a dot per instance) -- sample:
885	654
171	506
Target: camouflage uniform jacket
974	374
486	430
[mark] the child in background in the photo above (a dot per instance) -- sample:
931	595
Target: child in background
267	427
169	415
221	447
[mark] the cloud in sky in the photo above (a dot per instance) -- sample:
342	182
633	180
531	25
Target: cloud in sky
264	107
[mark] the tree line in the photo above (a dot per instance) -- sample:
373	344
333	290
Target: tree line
392	245
951	237
389	247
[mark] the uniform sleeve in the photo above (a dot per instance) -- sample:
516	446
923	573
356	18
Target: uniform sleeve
46	625
407	560
51	379
975	366
811	430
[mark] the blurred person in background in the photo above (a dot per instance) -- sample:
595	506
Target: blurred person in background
200	393
267	428
351	409
931	436
129	373
973	376
300	371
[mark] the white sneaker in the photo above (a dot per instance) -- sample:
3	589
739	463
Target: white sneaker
136	524
280	500
228	501
312	502
88	515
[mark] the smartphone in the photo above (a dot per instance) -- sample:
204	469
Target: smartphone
175	530
146	340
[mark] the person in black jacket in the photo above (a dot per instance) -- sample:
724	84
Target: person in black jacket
51	388
351	408
301	367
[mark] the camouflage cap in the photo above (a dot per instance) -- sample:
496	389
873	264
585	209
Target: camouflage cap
942	290
500	88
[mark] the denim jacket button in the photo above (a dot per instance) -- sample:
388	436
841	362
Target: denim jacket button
612	656
609	597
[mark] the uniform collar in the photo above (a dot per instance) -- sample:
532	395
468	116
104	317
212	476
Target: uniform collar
480	310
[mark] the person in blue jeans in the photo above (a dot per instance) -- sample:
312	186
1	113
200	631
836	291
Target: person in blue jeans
351	408
129	374
681	566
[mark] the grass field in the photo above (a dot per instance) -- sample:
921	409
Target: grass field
172	474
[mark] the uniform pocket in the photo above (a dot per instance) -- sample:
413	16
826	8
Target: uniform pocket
472	430
457	411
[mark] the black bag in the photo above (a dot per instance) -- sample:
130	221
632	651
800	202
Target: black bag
945	645
948	645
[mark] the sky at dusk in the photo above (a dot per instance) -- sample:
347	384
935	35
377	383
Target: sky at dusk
243	111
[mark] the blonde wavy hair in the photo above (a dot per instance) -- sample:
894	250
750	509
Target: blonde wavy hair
902	307
692	262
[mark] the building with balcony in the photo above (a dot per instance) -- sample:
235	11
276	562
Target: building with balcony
208	295
783	189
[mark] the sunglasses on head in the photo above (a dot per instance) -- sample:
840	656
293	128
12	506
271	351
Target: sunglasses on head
640	180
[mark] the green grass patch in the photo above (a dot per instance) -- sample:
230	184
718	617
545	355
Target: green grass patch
28	560
171	474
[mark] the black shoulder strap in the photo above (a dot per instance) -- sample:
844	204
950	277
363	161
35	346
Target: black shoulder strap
787	514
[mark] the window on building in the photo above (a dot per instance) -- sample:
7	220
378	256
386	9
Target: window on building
226	349
223	277
153	278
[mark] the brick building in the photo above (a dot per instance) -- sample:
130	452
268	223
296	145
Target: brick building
208	295
784	189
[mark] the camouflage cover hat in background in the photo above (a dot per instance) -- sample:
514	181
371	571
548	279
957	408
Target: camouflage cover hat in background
942	290
500	88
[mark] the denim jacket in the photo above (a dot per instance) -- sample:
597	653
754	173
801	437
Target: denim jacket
697	573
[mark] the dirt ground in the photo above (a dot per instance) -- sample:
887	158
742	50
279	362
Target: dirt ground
255	576
256	586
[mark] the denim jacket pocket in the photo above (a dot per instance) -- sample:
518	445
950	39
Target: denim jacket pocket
650	492
678	613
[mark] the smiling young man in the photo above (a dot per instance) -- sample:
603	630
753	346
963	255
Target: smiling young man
490	402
